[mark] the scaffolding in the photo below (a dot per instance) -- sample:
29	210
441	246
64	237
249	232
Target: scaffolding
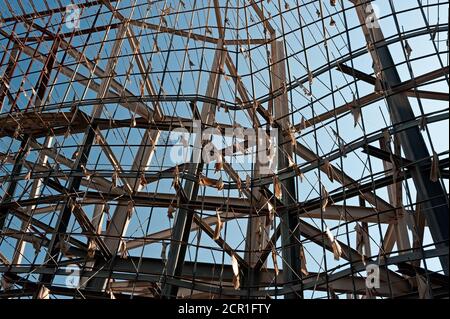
224	149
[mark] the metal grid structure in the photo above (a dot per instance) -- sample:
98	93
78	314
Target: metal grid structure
93	205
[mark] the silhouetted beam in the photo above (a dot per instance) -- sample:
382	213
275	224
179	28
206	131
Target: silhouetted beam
42	124
428	95
356	73
194	36
260	13
268	249
6	77
342	177
397	284
164	200
140	199
362	188
150	269
42	85
351	147
435	277
395	190
411	93
384	155
57	123
341	285
86	225
9	193
33	221
333	212
29	237
43	226
184	217
374	97
219	241
29	288
355	284
144	70
35	191
219	20
166	233
81	161
289	227
41	171
64	217
243	92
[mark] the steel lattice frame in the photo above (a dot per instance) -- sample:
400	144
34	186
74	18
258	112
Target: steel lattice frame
362	164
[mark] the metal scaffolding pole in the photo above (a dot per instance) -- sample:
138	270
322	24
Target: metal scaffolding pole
290	231
183	221
435	198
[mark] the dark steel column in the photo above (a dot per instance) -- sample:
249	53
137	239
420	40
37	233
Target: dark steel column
9	194
290	233
181	232
66	212
183	221
14	54
436	207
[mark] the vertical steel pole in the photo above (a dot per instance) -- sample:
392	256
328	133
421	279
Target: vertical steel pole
183	221
436	207
289	222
